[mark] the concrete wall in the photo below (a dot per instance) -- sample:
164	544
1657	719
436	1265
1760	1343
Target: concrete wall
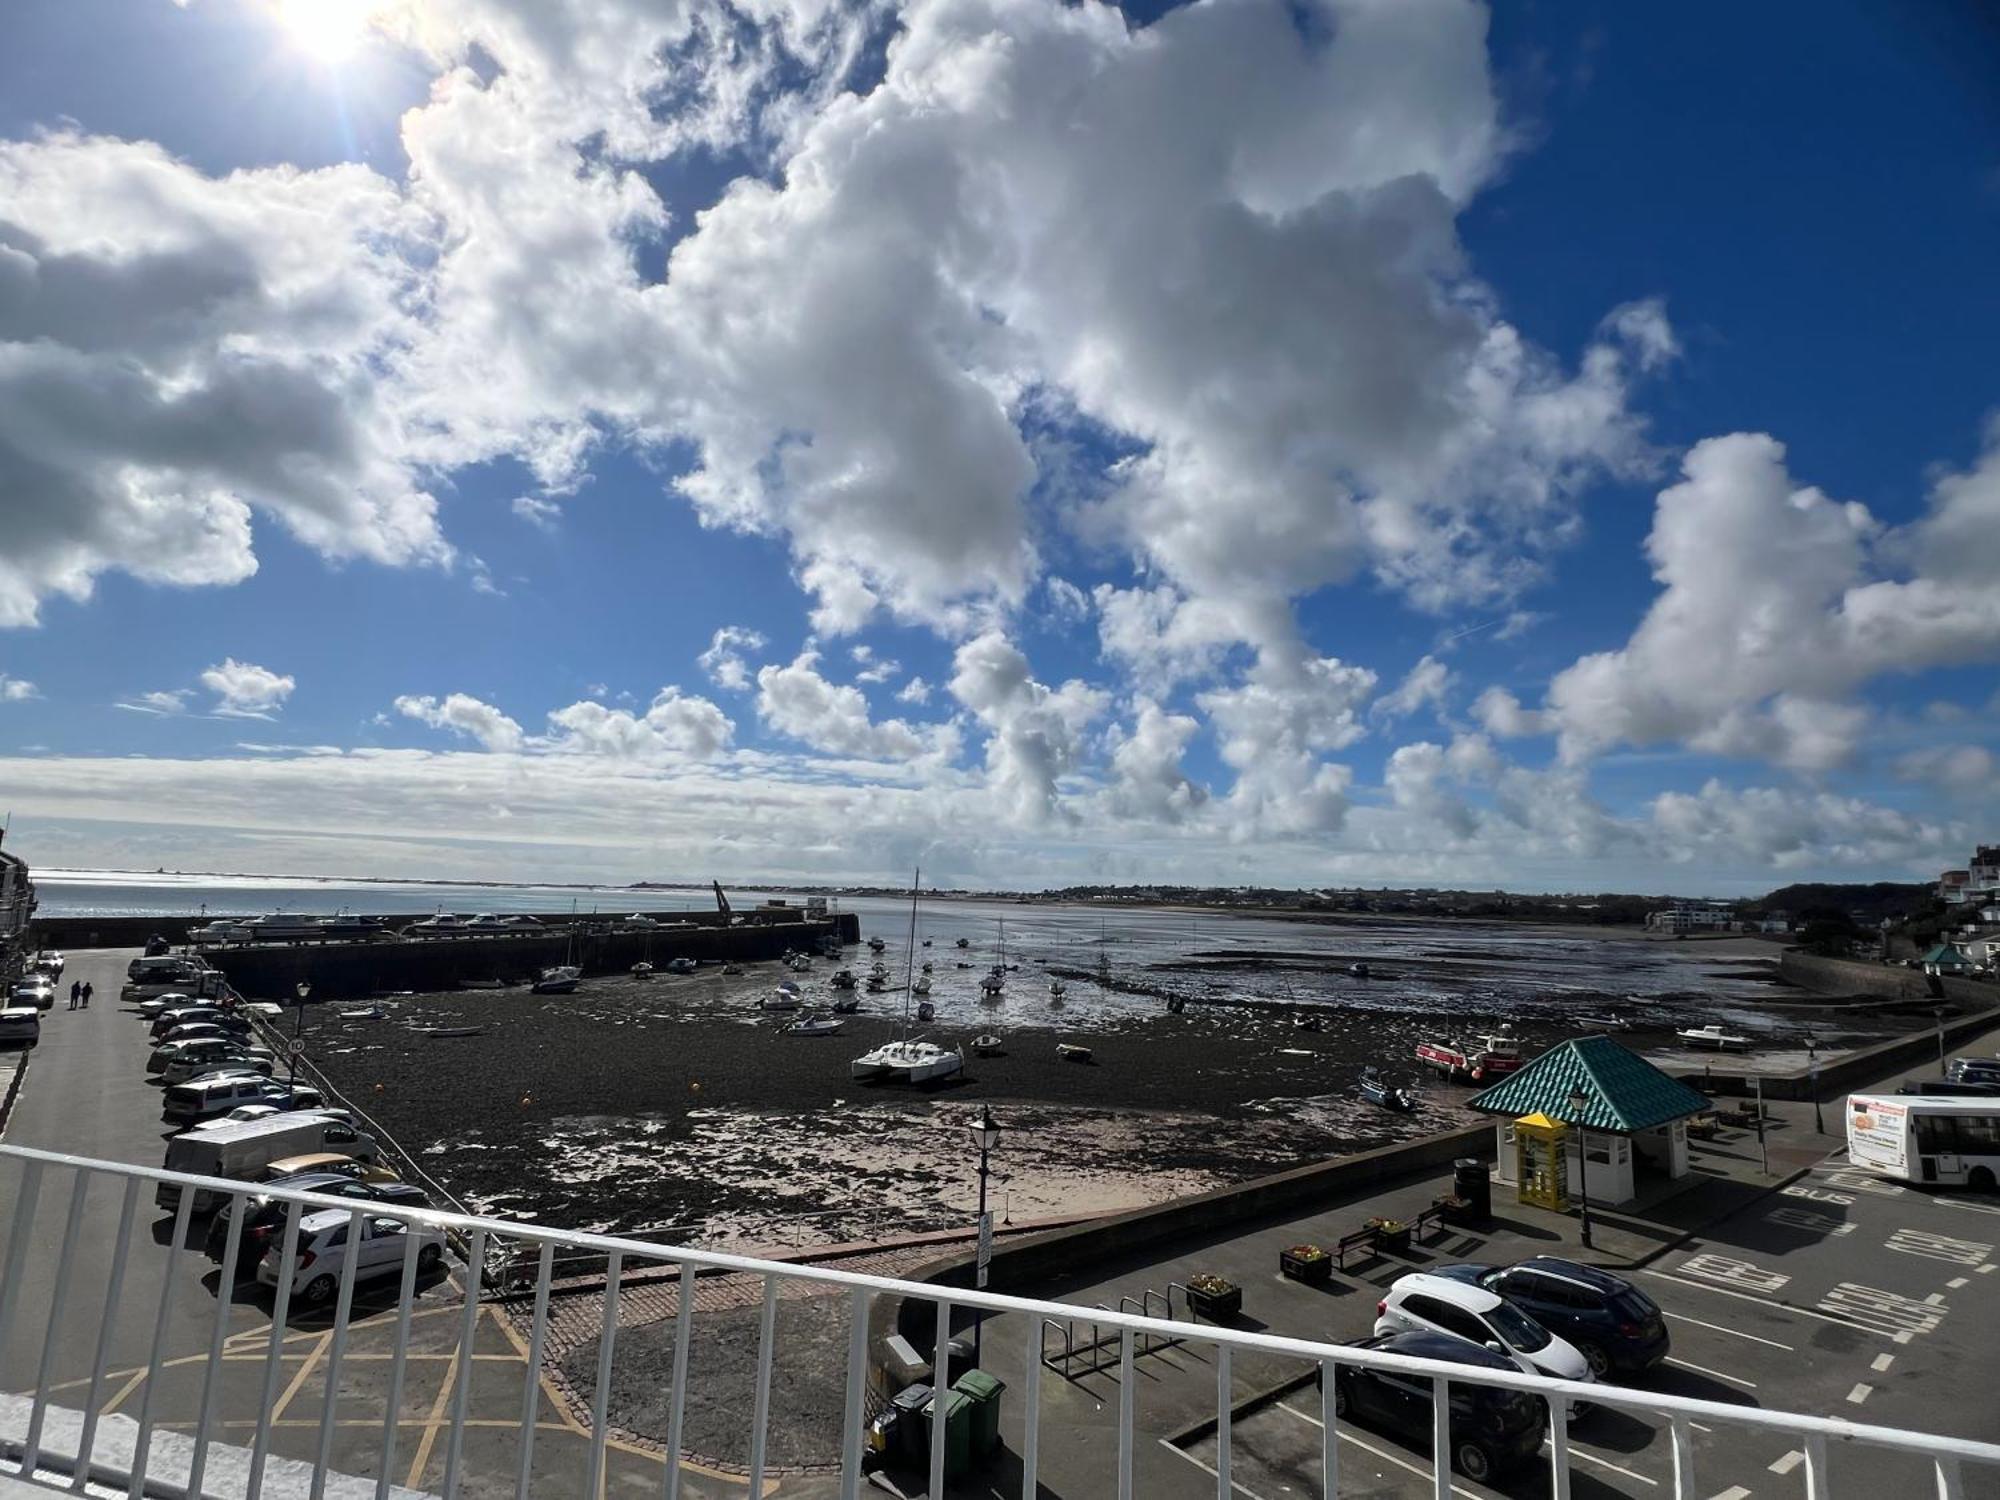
1847	976
1864	1068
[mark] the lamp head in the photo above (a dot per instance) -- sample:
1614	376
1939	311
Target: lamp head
987	1131
1577	1100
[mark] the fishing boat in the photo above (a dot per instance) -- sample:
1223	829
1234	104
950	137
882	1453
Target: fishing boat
364	1013
1605	1023
1073	1052
907	1059
811	1025
1306	1021
450	1031
1480	1057
1357	971
682	965
921	985
560	980
1378	1090
642	971
846	1005
877	984
963	943
876	945
1057	990
732	968
1176	1004
927	943
785	997
928	966
986	1044
1711	1035
843	979
991	987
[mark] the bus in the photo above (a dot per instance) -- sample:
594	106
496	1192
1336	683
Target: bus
1948	1142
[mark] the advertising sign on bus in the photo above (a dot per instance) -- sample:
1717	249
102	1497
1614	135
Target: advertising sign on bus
1878	1134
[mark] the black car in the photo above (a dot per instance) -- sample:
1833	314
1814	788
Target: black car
1950	1088
1492	1430
1614	1325
266	1220
168	1020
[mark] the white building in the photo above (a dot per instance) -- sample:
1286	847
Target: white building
1690	917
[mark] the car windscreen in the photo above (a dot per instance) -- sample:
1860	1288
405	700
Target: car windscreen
1635	1305
1517	1328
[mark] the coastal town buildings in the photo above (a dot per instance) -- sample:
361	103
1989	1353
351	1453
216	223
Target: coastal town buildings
17	909
1705	916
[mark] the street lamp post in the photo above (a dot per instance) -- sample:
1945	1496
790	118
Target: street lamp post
1578	1101
1812	1072
987	1134
302	989
1938	1015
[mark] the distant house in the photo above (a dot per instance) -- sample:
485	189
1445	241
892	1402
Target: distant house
1983	952
1952	885
1776	921
1689	917
1946	958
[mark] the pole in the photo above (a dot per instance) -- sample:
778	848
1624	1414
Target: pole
979	1314
1812	1070
1762	1149
1583	1171
1939	1015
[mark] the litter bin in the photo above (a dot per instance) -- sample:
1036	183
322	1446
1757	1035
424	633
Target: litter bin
957	1432
983	1391
913	1428
1470	1182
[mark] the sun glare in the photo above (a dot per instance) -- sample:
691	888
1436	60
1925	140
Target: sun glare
327	29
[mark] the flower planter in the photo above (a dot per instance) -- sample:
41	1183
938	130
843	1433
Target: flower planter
1313	1270
1392	1236
1215	1304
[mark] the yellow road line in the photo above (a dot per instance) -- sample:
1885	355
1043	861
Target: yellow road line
431	1427
299	1379
118	1397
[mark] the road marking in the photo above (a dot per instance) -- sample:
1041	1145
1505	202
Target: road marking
1714	1374
1806	1219
1737	1332
1972	1205
1210	1472
1956	1282
1881	1311
1860	1394
1734	1492
1732	1272
1987	1270
1723	1291
1605	1463
1862	1182
1880	1364
1422	1471
1818	1195
1789	1462
1935	1299
1940	1247
305	1369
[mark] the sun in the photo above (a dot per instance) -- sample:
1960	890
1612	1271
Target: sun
329	30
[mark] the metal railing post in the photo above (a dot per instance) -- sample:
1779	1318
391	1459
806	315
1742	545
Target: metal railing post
1329	1440
87	1439
1125	1414
468	1336
607	1343
17	1246
1441	1437
274	1364
225	1296
683	1335
857	1376
531	1399
1817	1487
1683	1442
343	1310
1031	1434
398	1361
142	1444
1559	1450
31	1446
1222	1421
940	1392
760	1415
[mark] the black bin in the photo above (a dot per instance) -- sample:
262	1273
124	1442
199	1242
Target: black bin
1470	1182
913	1429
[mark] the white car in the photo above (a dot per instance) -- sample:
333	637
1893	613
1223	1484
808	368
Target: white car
20	1024
323	1250
1487	1318
188	1068
37	990
49	963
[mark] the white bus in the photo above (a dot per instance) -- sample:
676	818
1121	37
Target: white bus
1950	1142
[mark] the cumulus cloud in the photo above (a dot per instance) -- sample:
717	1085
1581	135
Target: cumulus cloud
1145	763
244	690
465	715
1034	733
1772	609
543	515
675	724
796	700
723	660
916	690
1791	829
168	701
873	668
1426	685
1276	727
1960	769
16	689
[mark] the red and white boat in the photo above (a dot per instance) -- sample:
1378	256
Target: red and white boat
1482	1058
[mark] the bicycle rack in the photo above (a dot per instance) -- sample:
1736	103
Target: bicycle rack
1085	1356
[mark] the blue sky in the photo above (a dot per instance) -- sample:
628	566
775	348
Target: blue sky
544	344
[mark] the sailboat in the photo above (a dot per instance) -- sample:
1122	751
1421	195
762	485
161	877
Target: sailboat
908	1059
996	978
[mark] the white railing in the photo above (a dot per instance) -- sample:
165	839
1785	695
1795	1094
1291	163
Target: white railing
1815	1436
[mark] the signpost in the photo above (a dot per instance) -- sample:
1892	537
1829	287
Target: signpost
985	1249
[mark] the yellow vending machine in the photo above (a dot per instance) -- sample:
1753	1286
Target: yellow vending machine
1542	1161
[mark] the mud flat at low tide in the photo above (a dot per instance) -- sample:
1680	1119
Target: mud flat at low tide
673	1106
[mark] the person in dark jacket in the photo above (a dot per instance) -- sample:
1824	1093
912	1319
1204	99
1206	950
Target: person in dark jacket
86	994
75	989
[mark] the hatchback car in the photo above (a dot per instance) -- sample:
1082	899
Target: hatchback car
265	1216
38	991
170	1020
323	1249
1422	1300
1616	1327
189	1031
227	1058
1491	1430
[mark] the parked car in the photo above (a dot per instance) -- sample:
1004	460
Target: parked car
323	1249
333	1163
227	1059
265	1216
1616	1327
48	962
1949	1088
173	1000
1491	1430
205	1099
189	1031
37	991
1423	1300
195	1015
1974	1070
20	1025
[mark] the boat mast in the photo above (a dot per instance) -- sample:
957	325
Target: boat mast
910	949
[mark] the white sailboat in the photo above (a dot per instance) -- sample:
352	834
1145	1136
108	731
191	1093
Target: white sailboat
908	1059
995	981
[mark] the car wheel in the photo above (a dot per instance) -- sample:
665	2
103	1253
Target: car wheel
1980	1179
1596	1358
1474	1462
1339	1397
429	1258
319	1289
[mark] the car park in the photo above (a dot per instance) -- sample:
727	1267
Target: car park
243	1149
1424	1300
1491	1430
264	1217
1616	1327
323	1249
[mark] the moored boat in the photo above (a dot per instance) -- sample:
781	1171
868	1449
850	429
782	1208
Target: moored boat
560	980
1378	1090
810	1025
1711	1035
1480	1057
1074	1052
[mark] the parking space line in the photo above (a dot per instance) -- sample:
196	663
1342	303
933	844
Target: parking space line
1956	1282
1988	1270
1860	1393
1604	1463
1712	1374
1734	1492
1723	1291
1737	1332
1420	1470
1208	1470
1881	1363
1789	1462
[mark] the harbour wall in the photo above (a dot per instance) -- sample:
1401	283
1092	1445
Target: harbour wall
1863	1068
1848	976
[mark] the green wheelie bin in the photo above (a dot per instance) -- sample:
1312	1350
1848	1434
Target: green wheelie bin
983	1391
957	1432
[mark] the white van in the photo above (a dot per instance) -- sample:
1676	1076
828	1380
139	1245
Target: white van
241	1151
204	1098
147	977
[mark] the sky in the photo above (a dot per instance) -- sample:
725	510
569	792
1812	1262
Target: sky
1301	442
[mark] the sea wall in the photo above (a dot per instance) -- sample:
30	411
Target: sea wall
1863	1068
1848	976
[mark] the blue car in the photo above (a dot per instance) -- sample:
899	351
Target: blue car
1614	1325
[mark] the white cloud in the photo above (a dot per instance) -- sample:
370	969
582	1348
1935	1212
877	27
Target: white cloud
1770	611
673	725
244	690
723	660
16	689
171	701
1788	829
1426	685
873	668
1962	769
1034	732
1069	604
543	515
916	690
467	716
1275	727
1149	782
796	700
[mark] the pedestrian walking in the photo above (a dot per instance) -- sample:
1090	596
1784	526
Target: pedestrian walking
75	989
86	994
